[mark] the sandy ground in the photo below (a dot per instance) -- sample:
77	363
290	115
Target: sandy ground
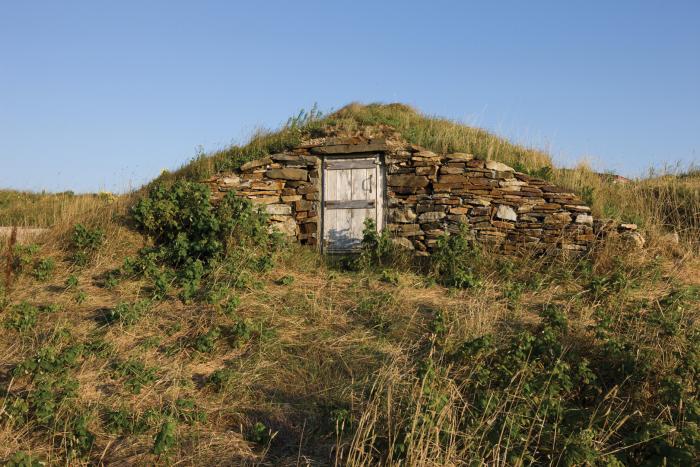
23	233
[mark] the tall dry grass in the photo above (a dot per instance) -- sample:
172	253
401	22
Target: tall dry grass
28	209
659	203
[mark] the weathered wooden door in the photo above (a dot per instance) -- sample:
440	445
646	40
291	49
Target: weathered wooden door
353	190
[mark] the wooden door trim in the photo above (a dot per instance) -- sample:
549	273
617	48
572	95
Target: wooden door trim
350	164
354	204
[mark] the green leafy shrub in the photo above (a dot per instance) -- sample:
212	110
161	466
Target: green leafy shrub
182	221
80	296
23	257
376	247
191	280
165	438
260	434
124	421
127	313
22	459
43	269
84	243
513	291
285	280
229	308
50	360
453	260
241	331
71	282
585	401
136	374
389	276
22	317
220	379
206	342
78	439
49	393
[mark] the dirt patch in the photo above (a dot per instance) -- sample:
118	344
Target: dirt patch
24	234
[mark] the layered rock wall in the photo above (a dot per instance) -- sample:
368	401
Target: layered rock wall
287	185
427	195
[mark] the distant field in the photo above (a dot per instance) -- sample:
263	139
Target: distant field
27	209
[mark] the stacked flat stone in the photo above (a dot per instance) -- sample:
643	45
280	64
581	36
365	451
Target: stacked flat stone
285	185
427	195
430	194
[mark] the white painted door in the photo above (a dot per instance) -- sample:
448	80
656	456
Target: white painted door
352	192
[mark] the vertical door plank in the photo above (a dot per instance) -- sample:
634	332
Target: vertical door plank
342	228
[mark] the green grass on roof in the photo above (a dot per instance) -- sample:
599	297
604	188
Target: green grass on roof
435	133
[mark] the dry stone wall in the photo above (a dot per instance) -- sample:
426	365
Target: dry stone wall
427	195
287	185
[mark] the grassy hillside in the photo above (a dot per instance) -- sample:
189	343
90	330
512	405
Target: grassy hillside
154	329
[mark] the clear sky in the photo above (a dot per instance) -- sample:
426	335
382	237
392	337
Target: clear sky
100	95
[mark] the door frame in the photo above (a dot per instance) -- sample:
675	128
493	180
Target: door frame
381	194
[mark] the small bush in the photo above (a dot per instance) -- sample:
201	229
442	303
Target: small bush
219	379
71	282
376	247
78	439
241	332
127	313
49	360
22	459
182	221
84	243
165	438
230	307
43	269
124	421
285	280
22	317
453	260
23	257
206	342
390	277
260	434
80	296
136	374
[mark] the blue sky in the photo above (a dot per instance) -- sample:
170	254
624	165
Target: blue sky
104	95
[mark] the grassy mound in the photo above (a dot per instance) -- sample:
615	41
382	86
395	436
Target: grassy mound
152	329
659	203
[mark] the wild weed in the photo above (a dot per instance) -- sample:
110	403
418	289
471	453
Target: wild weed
135	374
84	243
22	317
43	269
452	262
165	438
206	342
220	379
127	313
